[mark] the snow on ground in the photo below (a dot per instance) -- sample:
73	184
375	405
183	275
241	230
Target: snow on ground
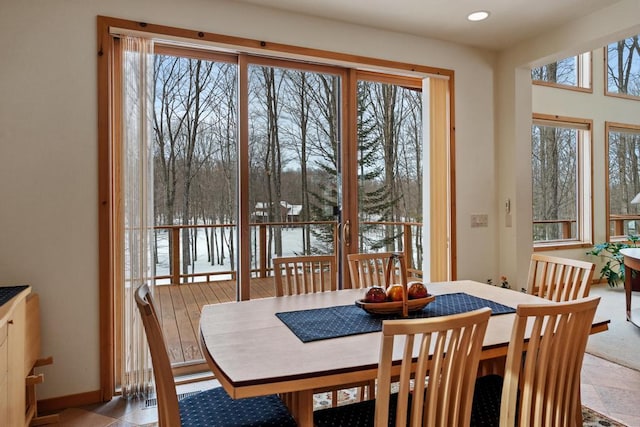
291	245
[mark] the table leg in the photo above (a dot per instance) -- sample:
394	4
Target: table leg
627	290
300	404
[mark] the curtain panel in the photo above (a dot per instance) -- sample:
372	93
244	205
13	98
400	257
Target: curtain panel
137	209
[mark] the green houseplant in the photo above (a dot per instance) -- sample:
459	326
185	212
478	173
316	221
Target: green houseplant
613	269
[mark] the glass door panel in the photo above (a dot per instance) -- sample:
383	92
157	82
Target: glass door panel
195	145
194	126
389	168
294	134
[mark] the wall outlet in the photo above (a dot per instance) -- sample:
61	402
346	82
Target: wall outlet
479	220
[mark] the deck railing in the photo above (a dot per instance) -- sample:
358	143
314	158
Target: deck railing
619	225
624	225
170	246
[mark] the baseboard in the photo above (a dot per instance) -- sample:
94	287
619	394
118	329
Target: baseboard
57	404
189	374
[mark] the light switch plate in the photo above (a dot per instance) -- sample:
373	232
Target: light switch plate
479	220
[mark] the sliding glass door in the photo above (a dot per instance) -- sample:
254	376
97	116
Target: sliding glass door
194	125
293	160
389	166
257	157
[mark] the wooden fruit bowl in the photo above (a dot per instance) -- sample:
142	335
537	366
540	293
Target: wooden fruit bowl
394	307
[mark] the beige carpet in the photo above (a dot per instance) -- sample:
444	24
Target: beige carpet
620	344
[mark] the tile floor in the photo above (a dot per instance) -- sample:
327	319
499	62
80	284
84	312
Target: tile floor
608	388
611	389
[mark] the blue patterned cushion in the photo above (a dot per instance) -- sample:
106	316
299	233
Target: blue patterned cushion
359	414
215	408
486	401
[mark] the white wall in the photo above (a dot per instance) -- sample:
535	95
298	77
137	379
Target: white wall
515	103
48	148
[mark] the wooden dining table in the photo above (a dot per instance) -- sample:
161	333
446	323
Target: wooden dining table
253	353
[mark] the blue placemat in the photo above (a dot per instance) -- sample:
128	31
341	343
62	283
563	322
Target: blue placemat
340	321
8	292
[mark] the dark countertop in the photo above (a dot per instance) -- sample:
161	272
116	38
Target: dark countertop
8	292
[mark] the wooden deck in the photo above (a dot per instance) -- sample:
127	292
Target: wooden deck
179	312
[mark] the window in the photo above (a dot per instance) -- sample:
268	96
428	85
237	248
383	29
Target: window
561	177
570	73
623	165
623	68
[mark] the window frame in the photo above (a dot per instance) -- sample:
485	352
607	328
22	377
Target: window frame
605	53
585	73
584	178
609	127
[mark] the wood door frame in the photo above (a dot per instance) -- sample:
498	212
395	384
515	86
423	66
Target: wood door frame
107	116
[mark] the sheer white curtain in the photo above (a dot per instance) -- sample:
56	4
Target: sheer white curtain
137	208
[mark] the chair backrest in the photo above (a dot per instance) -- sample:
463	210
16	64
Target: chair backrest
559	279
372	269
544	388
447	350
168	409
304	274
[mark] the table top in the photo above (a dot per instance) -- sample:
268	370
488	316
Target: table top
631	258
631	252
252	352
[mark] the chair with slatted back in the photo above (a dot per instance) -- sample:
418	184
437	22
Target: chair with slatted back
446	349
559	279
541	384
371	269
209	408
305	274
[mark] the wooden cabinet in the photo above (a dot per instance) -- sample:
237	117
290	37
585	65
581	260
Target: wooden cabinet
4	376
13	369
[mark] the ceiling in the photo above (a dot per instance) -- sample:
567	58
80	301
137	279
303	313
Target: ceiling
510	21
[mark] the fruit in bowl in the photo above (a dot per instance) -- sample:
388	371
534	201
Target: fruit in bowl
395	292
417	290
375	294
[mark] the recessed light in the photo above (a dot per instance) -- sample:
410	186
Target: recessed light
480	15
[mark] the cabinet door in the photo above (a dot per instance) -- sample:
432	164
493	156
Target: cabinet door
4	375
16	378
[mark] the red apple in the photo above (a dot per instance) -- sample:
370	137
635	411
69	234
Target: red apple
417	290
375	294
395	292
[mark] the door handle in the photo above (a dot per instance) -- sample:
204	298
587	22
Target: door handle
346	233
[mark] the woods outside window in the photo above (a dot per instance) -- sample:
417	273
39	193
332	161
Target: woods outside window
622	60
623	174
573	72
561	179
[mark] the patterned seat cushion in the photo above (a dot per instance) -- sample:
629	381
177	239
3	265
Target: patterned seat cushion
486	401
359	414
215	408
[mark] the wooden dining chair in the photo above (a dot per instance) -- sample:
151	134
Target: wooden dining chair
559	279
372	269
212	407
304	274
441	352
541	385
555	279
308	274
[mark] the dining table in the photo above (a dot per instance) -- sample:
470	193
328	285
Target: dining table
253	348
